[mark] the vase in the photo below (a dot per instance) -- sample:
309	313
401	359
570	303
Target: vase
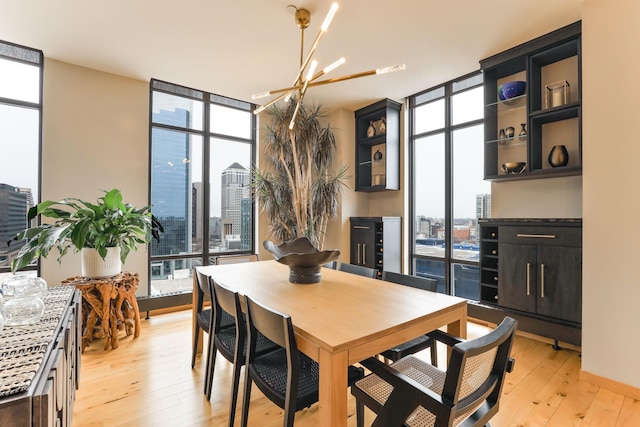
23	304
522	136
558	156
94	267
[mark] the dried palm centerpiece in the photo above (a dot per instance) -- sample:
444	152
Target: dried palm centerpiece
297	190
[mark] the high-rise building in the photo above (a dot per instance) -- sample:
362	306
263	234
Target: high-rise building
235	187
14	204
171	190
483	205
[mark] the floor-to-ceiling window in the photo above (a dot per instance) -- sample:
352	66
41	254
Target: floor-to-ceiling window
202	151
20	135
448	193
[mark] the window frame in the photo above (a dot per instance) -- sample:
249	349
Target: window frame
11	52
444	91
208	100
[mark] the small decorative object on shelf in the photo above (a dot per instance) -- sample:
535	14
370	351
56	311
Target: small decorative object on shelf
303	259
522	136
557	94
509	132
383	125
511	168
377	156
559	156
502	134
371	130
509	90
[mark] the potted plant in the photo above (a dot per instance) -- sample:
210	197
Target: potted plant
107	231
298	191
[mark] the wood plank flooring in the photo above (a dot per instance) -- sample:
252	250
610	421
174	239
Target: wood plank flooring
148	381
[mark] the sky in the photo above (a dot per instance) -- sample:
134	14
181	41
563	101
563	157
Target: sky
18	126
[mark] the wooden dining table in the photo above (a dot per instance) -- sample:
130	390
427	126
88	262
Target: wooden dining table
343	319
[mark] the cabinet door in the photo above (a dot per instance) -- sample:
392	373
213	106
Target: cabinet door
363	244
560	279
517	276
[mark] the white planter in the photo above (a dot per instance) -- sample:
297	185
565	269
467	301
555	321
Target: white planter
93	266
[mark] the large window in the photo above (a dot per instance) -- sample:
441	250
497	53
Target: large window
448	193
202	150
20	122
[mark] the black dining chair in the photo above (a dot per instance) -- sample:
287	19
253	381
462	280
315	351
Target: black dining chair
422	342
286	376
231	343
360	270
412	392
203	315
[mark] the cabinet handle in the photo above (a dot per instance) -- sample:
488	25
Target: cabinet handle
537	236
364	253
362	227
358	258
528	276
541	280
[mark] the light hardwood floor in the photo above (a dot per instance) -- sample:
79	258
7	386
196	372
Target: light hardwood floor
148	381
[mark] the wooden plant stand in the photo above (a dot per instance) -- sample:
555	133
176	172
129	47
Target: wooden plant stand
112	302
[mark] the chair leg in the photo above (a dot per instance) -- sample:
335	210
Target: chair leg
434	353
246	397
211	366
234	391
196	335
359	413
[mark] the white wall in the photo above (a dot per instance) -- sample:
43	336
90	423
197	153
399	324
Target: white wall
611	284
94	138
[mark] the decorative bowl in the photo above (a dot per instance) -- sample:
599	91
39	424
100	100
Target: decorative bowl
514	167
303	259
509	90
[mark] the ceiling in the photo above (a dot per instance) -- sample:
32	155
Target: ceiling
237	48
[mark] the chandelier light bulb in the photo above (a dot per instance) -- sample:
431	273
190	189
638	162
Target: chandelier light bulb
329	17
390	69
333	65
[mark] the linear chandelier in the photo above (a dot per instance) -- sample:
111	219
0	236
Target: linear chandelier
307	76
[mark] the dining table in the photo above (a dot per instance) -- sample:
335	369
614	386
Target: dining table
343	319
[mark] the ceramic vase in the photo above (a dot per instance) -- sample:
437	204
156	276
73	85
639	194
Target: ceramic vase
522	136
559	156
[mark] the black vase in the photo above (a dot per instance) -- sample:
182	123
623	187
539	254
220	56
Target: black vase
559	156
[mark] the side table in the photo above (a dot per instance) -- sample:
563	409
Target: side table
113	301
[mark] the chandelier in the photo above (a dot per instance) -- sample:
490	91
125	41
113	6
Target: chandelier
307	76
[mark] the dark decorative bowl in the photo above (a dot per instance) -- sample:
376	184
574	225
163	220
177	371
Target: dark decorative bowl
303	259
514	167
513	89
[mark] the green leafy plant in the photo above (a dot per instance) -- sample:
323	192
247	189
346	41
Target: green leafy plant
297	190
80	224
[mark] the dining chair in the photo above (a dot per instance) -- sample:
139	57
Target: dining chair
412	392
360	270
287	377
235	259
203	315
422	342
231	343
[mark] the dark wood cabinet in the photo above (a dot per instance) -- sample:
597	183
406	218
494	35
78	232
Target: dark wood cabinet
541	271
533	268
378	146
549	112
49	399
376	243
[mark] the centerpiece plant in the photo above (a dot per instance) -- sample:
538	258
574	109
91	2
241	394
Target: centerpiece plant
298	190
79	224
